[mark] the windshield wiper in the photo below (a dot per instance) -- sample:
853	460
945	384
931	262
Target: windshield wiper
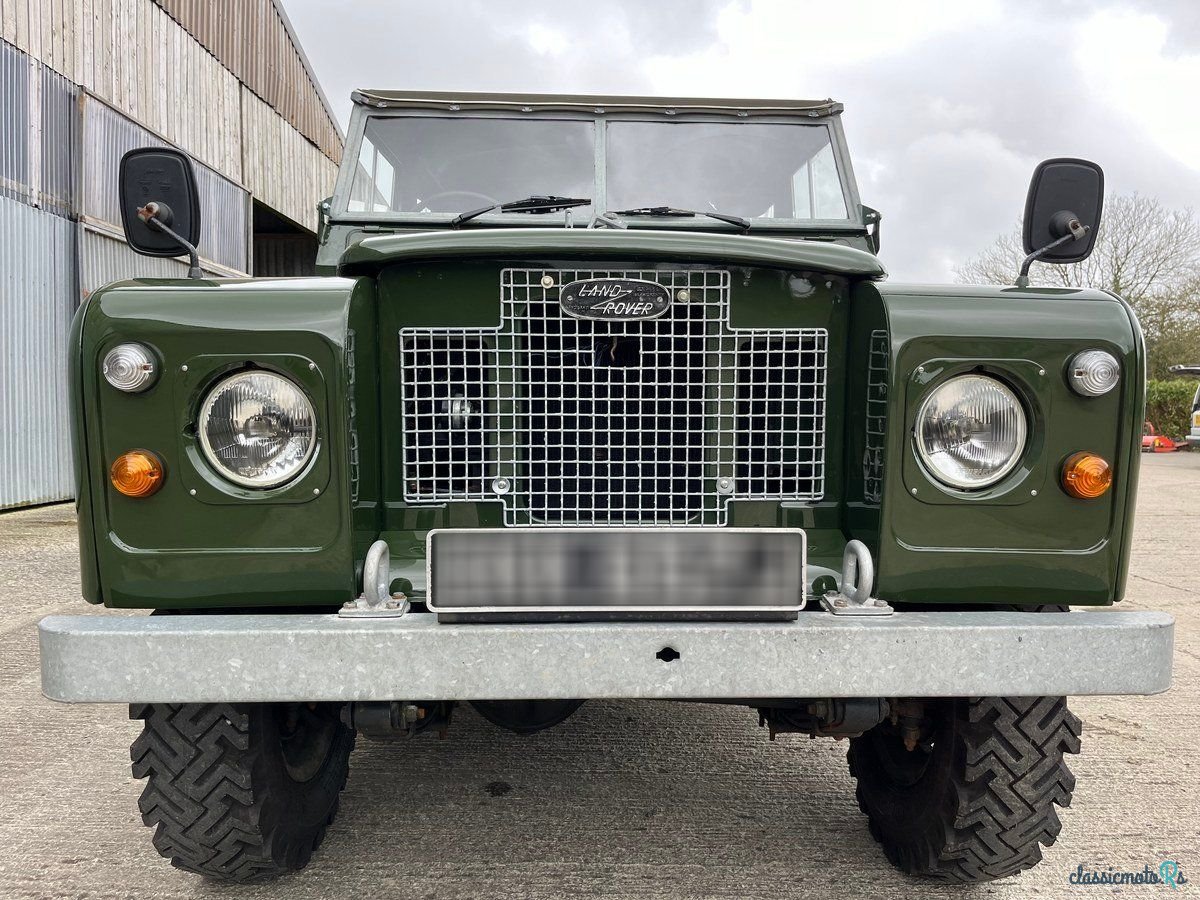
670	211
538	203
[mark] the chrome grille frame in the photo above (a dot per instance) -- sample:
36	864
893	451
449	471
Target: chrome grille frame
744	408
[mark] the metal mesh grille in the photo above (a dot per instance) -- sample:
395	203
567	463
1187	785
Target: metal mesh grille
580	422
451	430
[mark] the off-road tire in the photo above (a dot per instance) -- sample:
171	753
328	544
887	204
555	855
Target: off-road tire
223	797
982	802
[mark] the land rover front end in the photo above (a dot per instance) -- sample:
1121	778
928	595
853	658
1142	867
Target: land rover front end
603	397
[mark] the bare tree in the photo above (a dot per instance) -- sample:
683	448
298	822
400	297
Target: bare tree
1146	253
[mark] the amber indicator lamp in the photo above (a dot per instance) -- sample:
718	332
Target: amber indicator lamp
137	473
1086	476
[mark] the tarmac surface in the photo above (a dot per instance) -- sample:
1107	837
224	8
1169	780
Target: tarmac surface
626	799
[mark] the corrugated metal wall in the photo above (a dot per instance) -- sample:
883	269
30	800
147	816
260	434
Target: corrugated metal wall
39	138
104	259
81	81
60	234
39	133
45	29
225	207
37	300
252	40
272	146
174	65
285	255
132	54
144	65
137	58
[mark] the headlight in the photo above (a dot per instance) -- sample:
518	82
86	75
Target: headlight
1093	373
971	431
257	429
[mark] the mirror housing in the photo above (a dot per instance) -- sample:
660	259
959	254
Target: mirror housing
159	182
1064	194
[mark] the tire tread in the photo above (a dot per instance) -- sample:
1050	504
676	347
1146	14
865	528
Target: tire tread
210	814
999	808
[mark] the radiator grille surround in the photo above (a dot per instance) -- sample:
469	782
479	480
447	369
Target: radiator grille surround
571	421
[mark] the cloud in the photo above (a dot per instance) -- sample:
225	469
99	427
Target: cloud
1182	18
948	106
1145	76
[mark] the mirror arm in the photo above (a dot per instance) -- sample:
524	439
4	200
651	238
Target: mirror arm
153	221
1023	275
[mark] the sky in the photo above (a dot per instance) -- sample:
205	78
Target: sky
949	105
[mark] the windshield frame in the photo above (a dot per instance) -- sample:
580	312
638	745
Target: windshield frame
361	116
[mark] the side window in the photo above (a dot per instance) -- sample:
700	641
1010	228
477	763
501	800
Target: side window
816	189
374	179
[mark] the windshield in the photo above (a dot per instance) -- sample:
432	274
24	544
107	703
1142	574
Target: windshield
450	165
427	164
744	168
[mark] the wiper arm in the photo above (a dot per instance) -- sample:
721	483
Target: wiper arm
538	203
670	211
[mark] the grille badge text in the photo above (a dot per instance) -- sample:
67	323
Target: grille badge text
615	299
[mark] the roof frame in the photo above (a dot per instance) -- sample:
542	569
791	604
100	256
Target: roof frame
593	104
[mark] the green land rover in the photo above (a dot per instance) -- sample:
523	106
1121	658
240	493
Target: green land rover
603	397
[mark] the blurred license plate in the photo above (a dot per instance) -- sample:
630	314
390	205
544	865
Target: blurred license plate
550	573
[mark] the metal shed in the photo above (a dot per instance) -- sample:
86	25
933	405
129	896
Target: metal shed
228	84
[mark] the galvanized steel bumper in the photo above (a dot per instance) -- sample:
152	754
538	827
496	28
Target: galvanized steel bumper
208	658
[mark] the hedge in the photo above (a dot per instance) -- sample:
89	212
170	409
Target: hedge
1169	405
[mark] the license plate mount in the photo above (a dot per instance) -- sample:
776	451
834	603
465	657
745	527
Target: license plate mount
590	574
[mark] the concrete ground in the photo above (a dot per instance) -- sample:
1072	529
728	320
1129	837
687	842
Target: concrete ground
631	799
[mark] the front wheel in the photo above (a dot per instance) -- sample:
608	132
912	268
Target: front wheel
240	792
974	797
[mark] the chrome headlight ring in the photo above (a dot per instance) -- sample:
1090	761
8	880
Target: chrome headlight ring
257	429
971	431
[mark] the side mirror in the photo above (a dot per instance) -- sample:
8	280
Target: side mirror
160	205
1062	211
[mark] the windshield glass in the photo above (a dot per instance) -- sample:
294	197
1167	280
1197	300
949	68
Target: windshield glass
429	164
448	165
747	169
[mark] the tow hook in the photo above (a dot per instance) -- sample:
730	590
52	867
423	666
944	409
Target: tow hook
858	578
376	601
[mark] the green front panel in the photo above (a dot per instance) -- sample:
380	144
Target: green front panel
1025	540
201	541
